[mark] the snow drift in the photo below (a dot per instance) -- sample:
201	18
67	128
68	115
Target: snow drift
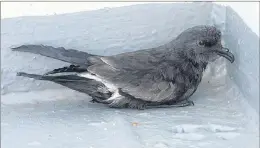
44	114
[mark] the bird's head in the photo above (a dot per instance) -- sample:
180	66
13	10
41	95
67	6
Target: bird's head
203	44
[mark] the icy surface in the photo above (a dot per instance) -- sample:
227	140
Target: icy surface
45	115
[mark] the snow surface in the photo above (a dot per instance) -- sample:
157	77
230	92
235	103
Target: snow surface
47	115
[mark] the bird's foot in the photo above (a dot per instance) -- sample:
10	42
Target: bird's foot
98	100
185	103
170	105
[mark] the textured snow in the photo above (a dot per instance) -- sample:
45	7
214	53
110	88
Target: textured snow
46	115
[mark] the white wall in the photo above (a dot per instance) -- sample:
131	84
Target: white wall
14	9
249	11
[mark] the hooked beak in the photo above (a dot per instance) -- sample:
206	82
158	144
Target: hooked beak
226	54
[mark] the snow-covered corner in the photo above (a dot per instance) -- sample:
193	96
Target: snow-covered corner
244	72
53	116
245	44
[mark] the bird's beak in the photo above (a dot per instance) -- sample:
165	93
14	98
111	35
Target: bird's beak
224	52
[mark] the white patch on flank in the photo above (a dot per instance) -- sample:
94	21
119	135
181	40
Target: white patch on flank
111	87
115	96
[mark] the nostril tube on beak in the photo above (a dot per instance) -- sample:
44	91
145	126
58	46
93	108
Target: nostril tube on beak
224	52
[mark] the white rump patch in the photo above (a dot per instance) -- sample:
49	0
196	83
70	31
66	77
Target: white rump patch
111	87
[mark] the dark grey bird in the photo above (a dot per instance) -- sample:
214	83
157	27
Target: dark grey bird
164	76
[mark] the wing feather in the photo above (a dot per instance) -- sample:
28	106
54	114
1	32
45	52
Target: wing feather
146	84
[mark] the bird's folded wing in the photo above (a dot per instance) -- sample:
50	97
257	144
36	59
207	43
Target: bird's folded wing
141	59
154	92
139	74
145	84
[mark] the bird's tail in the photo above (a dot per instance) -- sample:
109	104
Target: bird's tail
91	87
67	55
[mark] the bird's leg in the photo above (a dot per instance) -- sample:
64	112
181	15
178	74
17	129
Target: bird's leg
71	68
182	103
98	100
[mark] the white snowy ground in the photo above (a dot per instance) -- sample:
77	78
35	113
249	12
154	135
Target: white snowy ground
46	115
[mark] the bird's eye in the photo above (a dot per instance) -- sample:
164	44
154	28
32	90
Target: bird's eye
205	43
208	44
